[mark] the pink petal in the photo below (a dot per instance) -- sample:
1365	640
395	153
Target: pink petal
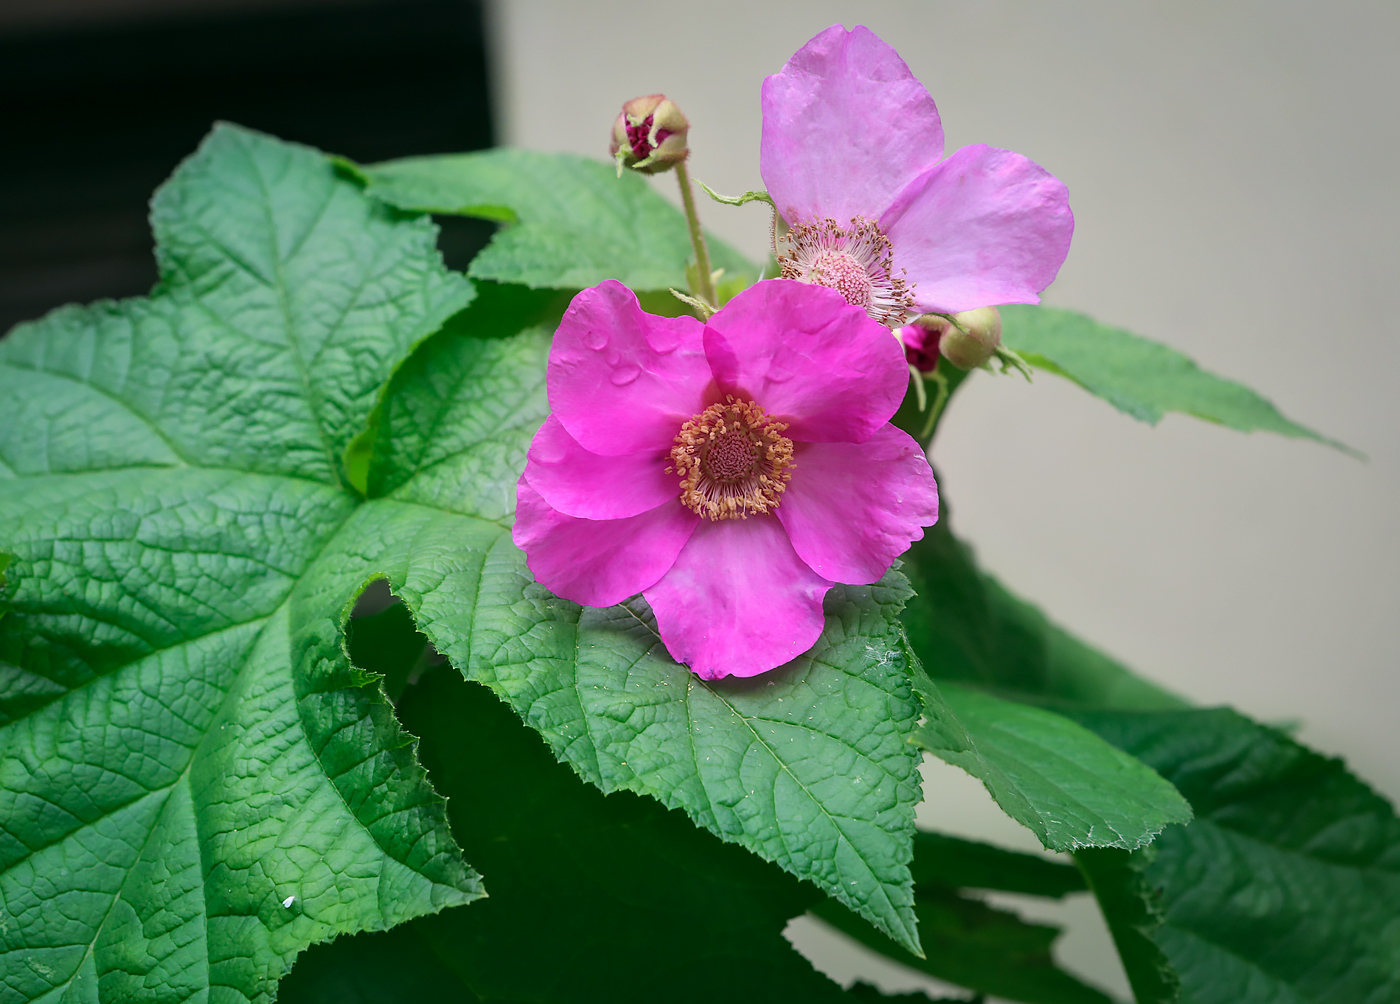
845	127
622	380
598	562
984	227
850	510
577	482
738	601
803	353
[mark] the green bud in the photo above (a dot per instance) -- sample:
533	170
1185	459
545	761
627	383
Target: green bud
971	338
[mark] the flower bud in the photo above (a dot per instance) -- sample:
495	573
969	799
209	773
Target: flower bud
921	340
649	135
976	342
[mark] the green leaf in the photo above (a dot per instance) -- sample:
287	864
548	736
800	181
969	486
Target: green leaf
1285	886
593	899
969	943
397	966
807	766
870	994
195	783
388	644
974	945
1221	889
966	628
942	860
1055	777
455	424
570	221
1058	779
1143	378
1133	912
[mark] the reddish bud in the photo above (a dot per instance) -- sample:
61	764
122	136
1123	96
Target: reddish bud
649	135
921	340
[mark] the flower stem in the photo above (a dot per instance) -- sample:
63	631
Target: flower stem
919	394
704	283
940	398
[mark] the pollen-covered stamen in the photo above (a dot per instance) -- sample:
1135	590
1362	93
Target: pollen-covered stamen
732	460
854	260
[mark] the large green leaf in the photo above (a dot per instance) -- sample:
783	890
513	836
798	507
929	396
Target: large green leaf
1063	782
1132	910
967	628
955	862
807	766
1050	774
1285	886
1228	891
868	993
971	944
594	898
1143	378
571	222
398	966
195	783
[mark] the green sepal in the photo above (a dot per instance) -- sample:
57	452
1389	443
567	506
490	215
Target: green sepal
737	200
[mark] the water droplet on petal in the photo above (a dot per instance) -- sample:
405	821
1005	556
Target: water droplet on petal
596	339
624	375
779	375
613	357
664	339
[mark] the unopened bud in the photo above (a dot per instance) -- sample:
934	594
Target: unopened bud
973	339
921	339
649	135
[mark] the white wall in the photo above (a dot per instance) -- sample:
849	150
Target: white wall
1233	171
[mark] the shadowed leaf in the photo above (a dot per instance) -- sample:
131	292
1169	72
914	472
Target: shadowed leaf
570	221
1283	889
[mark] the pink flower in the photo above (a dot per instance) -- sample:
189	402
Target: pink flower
852	156
730	471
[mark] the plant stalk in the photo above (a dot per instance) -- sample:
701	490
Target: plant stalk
940	398
704	280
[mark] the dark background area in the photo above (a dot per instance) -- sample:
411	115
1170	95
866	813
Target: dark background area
99	104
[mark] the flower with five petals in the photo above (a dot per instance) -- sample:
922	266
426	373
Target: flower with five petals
730	471
852	154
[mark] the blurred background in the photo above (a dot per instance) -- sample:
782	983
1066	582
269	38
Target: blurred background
1231	165
100	99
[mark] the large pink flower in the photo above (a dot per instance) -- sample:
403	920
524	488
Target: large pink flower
731	471
852	154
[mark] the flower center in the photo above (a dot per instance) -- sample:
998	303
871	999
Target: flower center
732	460
855	261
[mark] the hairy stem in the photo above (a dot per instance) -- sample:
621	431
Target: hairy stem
704	283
